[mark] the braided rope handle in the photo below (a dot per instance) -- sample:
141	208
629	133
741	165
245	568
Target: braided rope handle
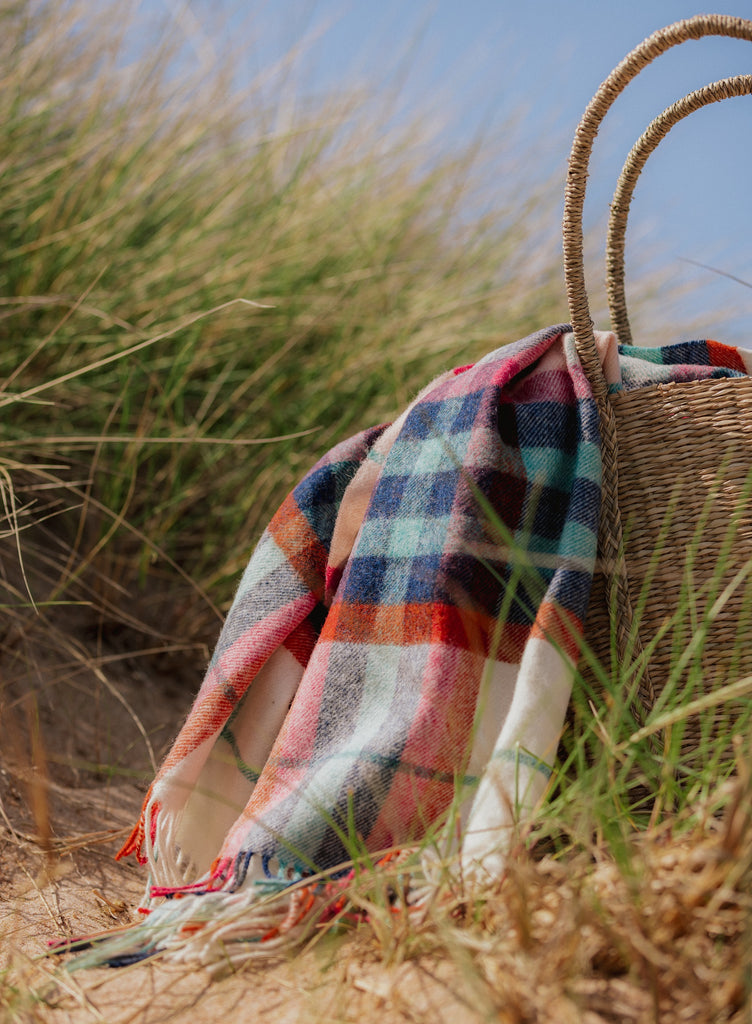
611	537
739	85
617	81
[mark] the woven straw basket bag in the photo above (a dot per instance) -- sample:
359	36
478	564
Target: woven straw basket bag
672	597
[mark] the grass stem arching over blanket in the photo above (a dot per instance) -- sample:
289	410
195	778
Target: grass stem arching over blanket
401	648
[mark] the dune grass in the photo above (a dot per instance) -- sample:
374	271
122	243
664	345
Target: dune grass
194	304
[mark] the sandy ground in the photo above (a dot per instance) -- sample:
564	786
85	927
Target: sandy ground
341	980
75	765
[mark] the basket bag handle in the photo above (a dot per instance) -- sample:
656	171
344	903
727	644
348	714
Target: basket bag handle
739	85
620	77
611	533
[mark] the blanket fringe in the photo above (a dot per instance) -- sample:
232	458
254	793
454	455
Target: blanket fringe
142	839
214	930
220	929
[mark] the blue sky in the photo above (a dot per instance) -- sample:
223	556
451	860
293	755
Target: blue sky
470	65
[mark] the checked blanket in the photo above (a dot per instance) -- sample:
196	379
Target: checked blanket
400	653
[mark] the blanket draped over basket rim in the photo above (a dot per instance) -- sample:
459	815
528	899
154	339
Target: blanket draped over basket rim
402	643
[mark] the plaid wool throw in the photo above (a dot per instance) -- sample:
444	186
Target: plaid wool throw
400	652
